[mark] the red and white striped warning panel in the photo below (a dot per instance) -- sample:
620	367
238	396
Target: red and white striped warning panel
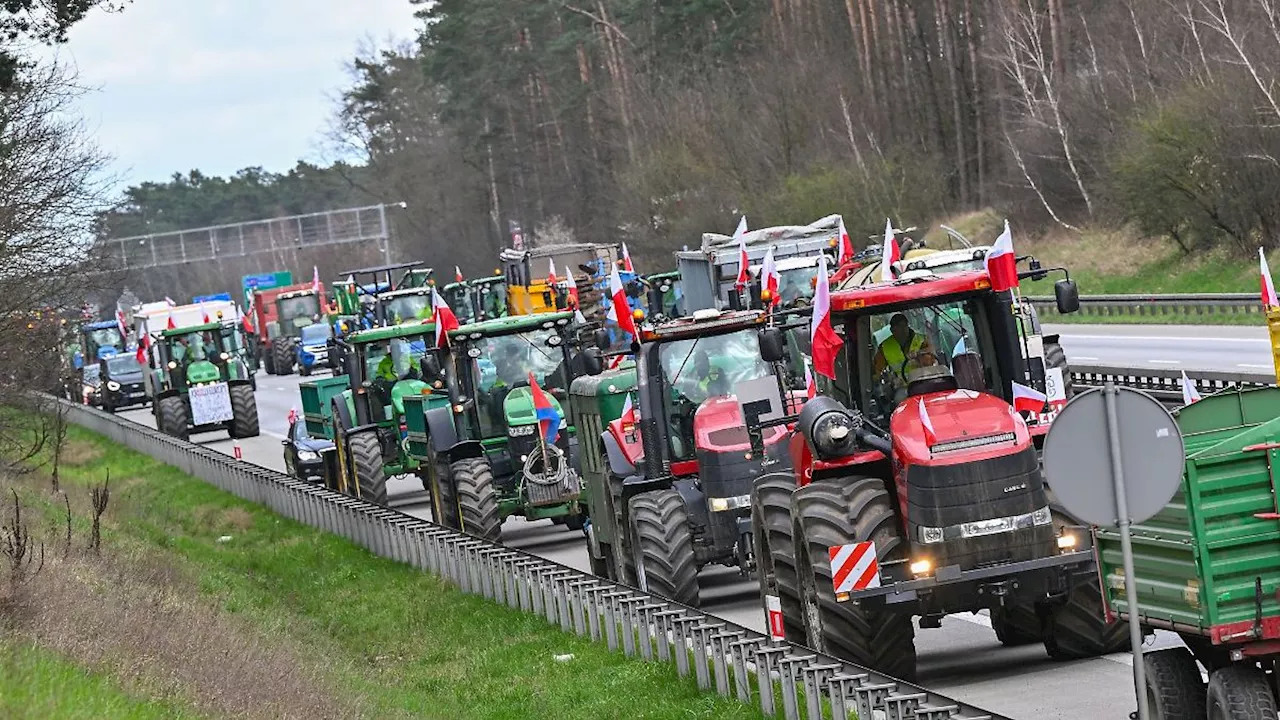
854	567
776	629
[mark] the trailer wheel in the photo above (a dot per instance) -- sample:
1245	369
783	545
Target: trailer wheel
477	498
171	416
1056	357
854	509
1078	629
1175	690
244	412
662	544
1240	692
283	355
1016	624
365	453
775	551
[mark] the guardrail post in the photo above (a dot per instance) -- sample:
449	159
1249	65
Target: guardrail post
768	661
663	622
815	683
719	657
791	672
741	653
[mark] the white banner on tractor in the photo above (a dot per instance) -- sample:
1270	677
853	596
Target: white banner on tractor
210	404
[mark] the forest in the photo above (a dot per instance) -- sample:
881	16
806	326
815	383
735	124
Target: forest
652	121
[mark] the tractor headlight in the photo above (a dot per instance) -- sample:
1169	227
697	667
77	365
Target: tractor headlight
308	456
554	340
831	428
473	352
730	503
112	385
173	365
225	356
562	321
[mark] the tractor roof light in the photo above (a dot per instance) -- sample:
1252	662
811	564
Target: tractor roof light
830	427
473	352
766	295
173	365
637	314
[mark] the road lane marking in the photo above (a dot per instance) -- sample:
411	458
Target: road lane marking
1165	362
1082	357
1249	365
1147	338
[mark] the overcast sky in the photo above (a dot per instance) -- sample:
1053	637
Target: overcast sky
218	85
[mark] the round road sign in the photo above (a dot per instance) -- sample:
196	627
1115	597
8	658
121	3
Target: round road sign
1078	462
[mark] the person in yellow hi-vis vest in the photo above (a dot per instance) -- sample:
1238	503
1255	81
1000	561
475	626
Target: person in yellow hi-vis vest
903	351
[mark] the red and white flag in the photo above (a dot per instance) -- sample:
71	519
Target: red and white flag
845	244
293	415
930	435
573	291
619	310
171	325
810	387
206	319
244	319
626	260
890	253
744	273
120	323
1001	263
444	318
457	274
769	278
315	279
1189	392
823	338
1269	299
551	276
629	416
1028	399
144	347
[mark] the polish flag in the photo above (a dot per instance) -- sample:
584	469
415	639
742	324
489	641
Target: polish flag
457	274
120	323
846	246
769	278
1268	288
626	260
1001	263
1189	392
744	274
628	412
620	311
1026	399
930	435
890	253
206	320
171	325
144	346
823	338
444	317
551	277
810	387
244	319
573	290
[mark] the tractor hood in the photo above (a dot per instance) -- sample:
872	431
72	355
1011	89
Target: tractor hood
517	408
718	426
203	371
954	427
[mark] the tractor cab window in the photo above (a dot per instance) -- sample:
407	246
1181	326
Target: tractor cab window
195	346
104	337
700	368
493	299
504	363
797	283
905	345
406	308
298	312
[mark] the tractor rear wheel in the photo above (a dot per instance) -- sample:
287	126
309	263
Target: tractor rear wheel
244	412
1175	690
171	417
477	498
1016	624
850	510
1078	629
282	355
775	549
365	455
662	544
268	361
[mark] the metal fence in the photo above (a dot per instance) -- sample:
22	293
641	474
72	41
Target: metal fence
729	659
1171	307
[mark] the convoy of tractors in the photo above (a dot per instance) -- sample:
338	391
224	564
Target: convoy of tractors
679	421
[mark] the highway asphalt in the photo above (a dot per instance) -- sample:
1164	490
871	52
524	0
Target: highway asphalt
963	657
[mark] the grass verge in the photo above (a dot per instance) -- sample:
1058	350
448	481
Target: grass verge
223	608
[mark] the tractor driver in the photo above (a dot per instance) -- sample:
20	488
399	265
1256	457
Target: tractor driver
900	353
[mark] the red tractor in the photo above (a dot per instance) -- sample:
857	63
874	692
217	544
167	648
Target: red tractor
916	488
279	314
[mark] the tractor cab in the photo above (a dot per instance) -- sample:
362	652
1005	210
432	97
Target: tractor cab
527	274
403	306
99	340
388	294
665	296
479	299
201	354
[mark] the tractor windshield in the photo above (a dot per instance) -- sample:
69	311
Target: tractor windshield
505	362
104	337
194	346
696	369
493	299
407	307
796	283
296	312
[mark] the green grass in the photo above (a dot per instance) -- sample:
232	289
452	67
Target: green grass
403	641
38	684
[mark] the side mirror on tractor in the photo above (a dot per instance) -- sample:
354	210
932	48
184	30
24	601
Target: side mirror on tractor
772	345
592	363
600	338
431	364
1067	295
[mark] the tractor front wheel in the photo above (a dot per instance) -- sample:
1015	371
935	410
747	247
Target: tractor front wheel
444	502
775	549
244	412
365	454
282	354
477	498
1078	628
662	544
171	417
850	510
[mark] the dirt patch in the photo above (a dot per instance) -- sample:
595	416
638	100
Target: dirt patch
80	453
237	518
144	622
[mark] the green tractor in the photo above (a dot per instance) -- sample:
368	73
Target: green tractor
485	454
479	299
364	411
199	382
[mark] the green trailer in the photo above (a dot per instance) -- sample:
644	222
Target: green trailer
1207	566
595	401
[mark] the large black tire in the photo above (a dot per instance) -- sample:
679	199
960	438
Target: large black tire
365	454
1240	692
244	412
1017	624
477	498
268	362
171	417
1175	690
844	511
283	354
662	545
774	549
1078	629
622	567
1056	357
444	502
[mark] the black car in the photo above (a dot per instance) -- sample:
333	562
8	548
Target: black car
303	454
120	382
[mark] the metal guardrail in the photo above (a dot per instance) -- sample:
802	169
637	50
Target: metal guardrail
1192	305
735	661
1164	384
